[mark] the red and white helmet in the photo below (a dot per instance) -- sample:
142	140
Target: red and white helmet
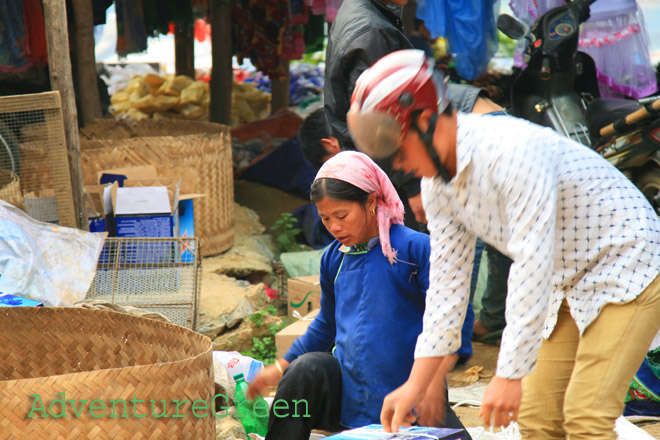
387	94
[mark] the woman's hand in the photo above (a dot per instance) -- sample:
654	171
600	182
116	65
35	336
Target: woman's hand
267	377
501	401
398	405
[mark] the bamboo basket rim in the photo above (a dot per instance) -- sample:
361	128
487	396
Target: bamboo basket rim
207	343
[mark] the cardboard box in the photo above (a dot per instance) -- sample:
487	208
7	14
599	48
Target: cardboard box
99	206
303	295
9	300
285	337
146	209
376	432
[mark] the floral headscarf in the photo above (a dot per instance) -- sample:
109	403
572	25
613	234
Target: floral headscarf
359	170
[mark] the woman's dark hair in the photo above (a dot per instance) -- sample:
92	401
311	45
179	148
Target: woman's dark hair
310	133
337	189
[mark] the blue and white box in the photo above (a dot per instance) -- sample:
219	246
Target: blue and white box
146	211
376	432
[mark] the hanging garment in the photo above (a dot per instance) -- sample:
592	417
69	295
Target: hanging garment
328	8
14	39
293	45
468	26
257	31
99	8
34	25
131	32
314	33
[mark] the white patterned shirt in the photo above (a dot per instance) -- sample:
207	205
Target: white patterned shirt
574	226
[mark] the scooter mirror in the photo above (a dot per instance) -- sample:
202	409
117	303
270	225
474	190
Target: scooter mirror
512	27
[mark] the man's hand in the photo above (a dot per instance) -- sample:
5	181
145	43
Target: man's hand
417	208
501	402
432	411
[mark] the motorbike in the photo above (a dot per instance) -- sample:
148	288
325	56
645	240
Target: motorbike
558	88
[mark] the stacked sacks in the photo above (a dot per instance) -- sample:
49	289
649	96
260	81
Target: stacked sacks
181	97
157	97
248	103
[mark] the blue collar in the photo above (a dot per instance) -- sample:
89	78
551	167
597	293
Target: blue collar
361	248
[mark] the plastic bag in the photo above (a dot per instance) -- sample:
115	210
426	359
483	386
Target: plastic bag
236	363
46	262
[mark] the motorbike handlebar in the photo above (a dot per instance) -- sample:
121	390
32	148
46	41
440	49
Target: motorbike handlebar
631	119
545	69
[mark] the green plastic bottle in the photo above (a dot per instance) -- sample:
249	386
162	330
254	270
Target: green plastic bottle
253	414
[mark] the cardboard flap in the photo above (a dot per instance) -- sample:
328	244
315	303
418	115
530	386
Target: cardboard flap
154	196
99	202
173	188
142	200
136	172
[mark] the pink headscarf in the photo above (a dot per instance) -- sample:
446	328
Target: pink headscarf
359	170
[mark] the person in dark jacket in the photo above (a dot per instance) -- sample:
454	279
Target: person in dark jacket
363	32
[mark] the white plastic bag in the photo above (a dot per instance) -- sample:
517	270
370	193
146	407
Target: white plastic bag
236	363
43	261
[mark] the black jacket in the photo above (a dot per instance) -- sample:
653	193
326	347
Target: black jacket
363	32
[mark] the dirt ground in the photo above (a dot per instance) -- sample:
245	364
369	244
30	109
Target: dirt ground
269	203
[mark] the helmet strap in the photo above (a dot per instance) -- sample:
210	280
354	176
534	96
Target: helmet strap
427	138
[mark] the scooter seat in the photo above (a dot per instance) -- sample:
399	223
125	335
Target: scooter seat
604	111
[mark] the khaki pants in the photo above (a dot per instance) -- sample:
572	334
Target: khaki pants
579	384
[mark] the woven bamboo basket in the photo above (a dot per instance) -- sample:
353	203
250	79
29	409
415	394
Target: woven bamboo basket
202	147
10	189
101	359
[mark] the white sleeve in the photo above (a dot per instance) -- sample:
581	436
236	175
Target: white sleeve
452	256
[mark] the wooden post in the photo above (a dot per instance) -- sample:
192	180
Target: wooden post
221	72
184	49
279	89
88	89
59	64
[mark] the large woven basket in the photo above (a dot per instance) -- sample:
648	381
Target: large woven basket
200	146
10	189
103	358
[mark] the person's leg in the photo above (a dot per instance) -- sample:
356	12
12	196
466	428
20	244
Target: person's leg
478	251
610	351
491	316
308	397
540	416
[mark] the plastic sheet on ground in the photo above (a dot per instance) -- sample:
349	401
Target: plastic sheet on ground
43	261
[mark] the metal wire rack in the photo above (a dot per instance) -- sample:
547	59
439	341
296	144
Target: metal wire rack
34	165
156	274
